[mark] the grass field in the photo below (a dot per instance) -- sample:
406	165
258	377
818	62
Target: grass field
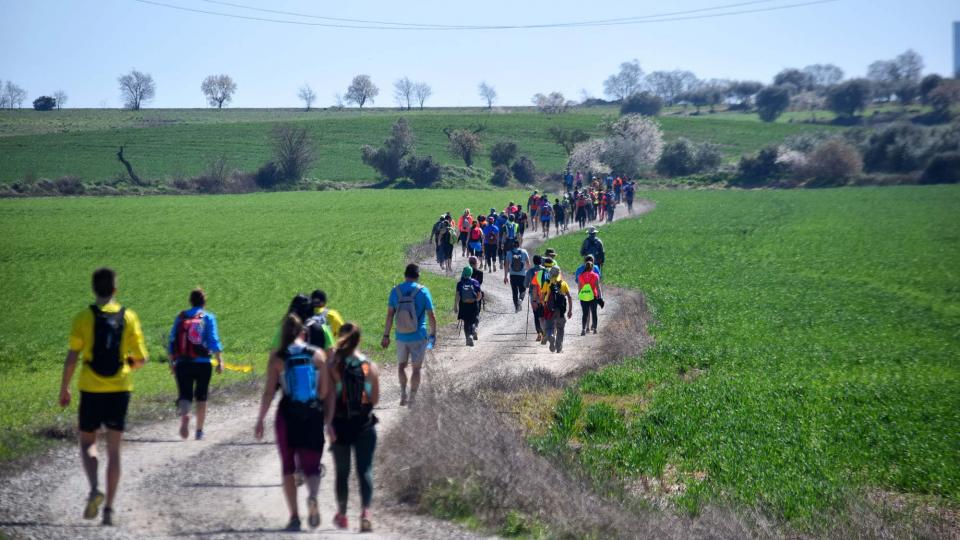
168	143
807	345
252	253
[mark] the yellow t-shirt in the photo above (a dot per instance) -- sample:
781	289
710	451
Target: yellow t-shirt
335	320
131	346
545	289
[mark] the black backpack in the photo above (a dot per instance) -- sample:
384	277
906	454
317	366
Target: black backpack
516	261
558	300
316	335
353	391
107	335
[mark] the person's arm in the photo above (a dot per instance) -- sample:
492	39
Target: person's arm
374	384
137	350
171	339
269	388
432	319
387	326
597	285
569	304
69	366
213	341
325	390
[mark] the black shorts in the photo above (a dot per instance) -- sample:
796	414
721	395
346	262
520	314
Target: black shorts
490	252
193	380
108	409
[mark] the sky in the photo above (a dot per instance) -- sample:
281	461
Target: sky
82	46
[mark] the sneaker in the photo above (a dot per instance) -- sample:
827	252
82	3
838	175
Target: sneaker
403	399
583	332
199	435
475	338
107	519
365	524
469	341
340	521
551	346
313	518
93	505
293	524
184	427
559	348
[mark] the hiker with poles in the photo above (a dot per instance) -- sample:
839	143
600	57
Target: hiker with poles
557	307
107	341
467	303
305	412
193	340
410	306
515	272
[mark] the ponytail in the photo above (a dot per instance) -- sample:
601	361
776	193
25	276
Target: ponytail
290	331
348	342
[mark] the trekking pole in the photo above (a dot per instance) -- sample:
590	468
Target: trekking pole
526	325
459	325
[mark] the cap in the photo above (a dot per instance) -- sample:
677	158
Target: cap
554	272
592	230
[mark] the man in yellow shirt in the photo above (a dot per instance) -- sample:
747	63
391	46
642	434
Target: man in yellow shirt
319	300
556	301
108	341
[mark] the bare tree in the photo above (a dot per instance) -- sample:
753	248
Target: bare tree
824	75
338	101
403	92
668	85
628	81
136	88
307	96
3	96
488	93
13	95
465	143
219	89
61	98
361	90
292	151
422	91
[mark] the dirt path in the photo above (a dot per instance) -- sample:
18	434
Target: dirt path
227	486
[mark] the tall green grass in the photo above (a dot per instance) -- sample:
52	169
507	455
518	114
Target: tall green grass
807	345
251	253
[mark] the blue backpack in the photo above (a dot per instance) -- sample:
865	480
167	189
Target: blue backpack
300	374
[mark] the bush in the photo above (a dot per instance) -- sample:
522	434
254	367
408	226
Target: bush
388	159
771	102
895	148
524	170
848	98
763	166
643	103
942	169
501	176
464	144
292	151
44	103
268	176
70	185
424	171
834	159
683	157
503	153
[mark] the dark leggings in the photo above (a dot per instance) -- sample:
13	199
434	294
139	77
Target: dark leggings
290	457
363	447
193	380
517	289
588	309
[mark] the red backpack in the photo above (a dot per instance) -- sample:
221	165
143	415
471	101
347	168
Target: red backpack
188	341
476	234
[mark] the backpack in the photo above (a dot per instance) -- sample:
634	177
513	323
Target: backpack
468	295
107	335
300	375
492	237
558	300
188	341
547	211
586	293
406	315
516	261
352	388
511	229
475	235
319	333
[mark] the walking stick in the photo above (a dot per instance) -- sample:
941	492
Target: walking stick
526	325
459	325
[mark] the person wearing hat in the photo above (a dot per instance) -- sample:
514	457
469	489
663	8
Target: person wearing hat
467	303
435	236
593	246
556	303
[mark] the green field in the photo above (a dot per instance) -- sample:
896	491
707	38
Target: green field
164	144
252	253
807	345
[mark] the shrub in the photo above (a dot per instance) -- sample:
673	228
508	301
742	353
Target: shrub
267	175
943	169
643	103
895	148
834	159
635	143
292	151
388	159
763	166
683	157
424	171
70	185
464	144
848	98
503	153
44	103
771	102
501	176
524	170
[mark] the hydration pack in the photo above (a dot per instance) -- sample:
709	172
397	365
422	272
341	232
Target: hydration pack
188	341
558	300
107	336
468	295
300	375
516	261
352	388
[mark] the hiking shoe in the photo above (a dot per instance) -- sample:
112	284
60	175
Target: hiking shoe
313	517
539	336
583	332
559	348
469	341
475	338
184	427
594	330
403	399
365	524
551	346
340	521
199	435
293	524
93	505
107	519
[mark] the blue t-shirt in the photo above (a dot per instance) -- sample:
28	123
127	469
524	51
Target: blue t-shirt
491	230
546	215
580	269
211	337
423	303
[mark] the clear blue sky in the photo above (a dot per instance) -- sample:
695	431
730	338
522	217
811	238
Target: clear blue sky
82	46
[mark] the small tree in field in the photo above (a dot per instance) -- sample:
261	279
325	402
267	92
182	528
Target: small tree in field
218	89
634	144
361	90
292	151
307	96
61	97
503	153
488	93
567	137
389	157
422	92
403	90
848	98
44	103
136	88
771	102
464	144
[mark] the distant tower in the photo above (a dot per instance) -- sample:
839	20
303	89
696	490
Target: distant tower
956	49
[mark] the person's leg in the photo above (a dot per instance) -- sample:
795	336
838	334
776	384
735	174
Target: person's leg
538	320
310	465
585	316
560	321
418	352
403	355
341	459
364	448
88	456
593	313
549	327
184	375
415	380
288	464
202	374
114	439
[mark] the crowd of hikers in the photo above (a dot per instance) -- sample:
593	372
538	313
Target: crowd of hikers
328	388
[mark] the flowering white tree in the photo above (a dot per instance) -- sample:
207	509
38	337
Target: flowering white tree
587	156
634	144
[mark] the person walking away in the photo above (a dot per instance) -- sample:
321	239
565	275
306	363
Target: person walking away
578	183
611	207
617	188
502	245
568	180
464	225
589	295
329	321
410	306
533	204
537	282
475	245
356	390
602	209
515	272
593	246
193	339
546	215
532	286
474	265
446	240
558	216
305	411
583	267
628	191
107	340
435	237
522	220
467	303
491	245
510	234
556	301
581	210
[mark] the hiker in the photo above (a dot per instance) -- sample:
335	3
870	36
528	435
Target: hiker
581	210
521	218
303	415
583	267
438	227
193	338
515	272
446	238
546	214
532	281
502	246
467	303
628	192
491	245
475	244
555	300
464	224
589	295
328	320
107	340
533	204
611	207
568	180
578	183
412	306
356	390
510	234
559	215
593	246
